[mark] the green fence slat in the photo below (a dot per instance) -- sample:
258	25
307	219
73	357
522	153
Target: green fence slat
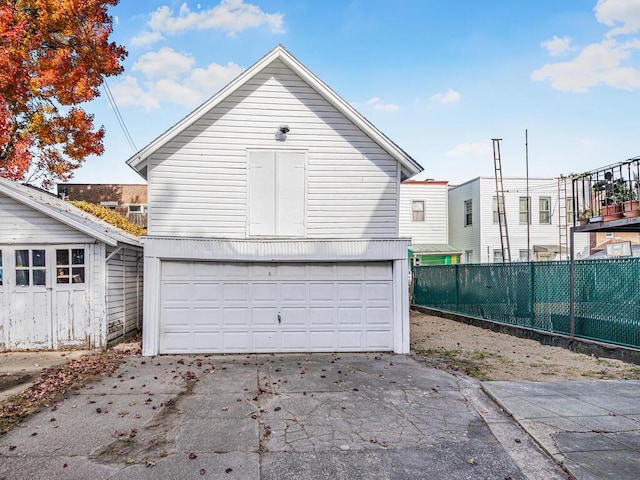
536	295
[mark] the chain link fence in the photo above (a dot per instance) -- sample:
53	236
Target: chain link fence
537	295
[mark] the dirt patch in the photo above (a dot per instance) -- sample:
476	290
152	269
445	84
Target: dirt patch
489	355
7	382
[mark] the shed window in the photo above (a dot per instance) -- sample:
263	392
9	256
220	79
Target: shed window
70	265
277	193
417	210
30	268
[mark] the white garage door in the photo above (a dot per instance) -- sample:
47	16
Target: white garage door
268	307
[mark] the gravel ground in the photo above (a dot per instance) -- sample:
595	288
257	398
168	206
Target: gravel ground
490	355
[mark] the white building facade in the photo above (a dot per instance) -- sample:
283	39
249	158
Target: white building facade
533	224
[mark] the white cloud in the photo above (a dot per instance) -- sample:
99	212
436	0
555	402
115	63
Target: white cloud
377	104
230	16
470	149
557	47
146	38
450	96
178	85
166	62
624	13
597	64
128	93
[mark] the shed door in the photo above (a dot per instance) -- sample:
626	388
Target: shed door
262	307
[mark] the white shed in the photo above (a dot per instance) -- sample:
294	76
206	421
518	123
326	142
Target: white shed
273	223
67	279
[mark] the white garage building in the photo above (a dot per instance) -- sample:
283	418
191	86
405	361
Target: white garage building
273	223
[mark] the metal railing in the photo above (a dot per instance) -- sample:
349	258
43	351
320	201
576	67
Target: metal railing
537	295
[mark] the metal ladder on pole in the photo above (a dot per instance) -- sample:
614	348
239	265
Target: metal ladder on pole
563	226
502	214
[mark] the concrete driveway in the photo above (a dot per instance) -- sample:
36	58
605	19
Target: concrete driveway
320	416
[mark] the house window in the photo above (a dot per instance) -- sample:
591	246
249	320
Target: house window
70	265
417	210
525	214
569	210
109	205
545	210
497	255
136	208
30	268
495	209
609	235
468	212
0	267
276	189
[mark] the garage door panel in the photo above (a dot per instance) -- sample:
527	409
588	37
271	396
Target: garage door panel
204	316
176	292
378	316
204	292
323	340
350	340
322	316
265	341
295	340
235	292
293	316
236	316
294	292
378	339
264	292
234	307
264	316
350	315
350	292
207	341
176	317
236	341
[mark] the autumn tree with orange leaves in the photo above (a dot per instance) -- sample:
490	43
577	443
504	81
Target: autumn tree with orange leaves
54	56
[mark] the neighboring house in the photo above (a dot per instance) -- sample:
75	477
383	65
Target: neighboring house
423	219
600	240
273	223
67	279
474	228
129	200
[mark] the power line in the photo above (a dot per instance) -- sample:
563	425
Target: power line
119	117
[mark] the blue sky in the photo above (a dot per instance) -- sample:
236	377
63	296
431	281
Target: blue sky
440	78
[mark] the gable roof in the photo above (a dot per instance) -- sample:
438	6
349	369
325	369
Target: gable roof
409	166
56	208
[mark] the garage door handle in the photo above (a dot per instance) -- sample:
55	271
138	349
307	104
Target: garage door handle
279	318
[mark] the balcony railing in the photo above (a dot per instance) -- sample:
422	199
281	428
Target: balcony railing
139	218
606	193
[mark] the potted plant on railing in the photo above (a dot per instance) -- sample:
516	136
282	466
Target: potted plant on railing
626	196
584	216
615	191
596	217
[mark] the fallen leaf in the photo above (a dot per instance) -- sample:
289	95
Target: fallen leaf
472	461
192	456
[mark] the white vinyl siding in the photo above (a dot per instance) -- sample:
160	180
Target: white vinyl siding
23	224
434	228
124	293
198	180
276	193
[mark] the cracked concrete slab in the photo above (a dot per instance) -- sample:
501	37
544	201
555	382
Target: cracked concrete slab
273	416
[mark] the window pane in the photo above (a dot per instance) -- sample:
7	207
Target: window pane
62	275
22	258
62	257
78	275
39	277
77	256
22	278
38	258
0	258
